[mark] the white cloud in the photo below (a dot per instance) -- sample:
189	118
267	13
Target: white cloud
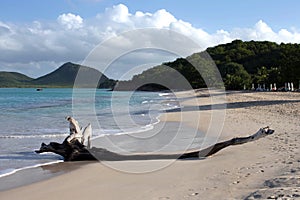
70	21
262	31
119	13
162	19
71	38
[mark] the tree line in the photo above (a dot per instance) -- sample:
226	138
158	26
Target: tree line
239	64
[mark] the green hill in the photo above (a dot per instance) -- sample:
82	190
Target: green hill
240	64
13	79
65	76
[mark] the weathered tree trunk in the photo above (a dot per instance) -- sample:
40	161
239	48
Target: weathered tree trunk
76	151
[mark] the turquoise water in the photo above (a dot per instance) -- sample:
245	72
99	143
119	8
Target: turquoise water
29	117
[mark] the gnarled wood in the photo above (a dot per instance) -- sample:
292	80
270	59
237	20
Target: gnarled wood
76	151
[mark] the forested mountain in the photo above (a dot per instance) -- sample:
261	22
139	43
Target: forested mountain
257	62
13	79
64	76
240	64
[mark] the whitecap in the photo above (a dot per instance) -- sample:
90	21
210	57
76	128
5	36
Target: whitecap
10	171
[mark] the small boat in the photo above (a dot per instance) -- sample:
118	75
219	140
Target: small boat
39	89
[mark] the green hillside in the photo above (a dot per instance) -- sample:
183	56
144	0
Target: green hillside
64	76
258	62
240	64
13	79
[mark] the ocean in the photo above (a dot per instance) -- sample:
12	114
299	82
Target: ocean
30	117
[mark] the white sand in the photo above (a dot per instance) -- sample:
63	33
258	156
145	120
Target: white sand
267	168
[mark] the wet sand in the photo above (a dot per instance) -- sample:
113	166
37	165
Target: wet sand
37	174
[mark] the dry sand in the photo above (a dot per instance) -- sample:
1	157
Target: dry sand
265	169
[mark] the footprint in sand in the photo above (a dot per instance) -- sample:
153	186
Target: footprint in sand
164	198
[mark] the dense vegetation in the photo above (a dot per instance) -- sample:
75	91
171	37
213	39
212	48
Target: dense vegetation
13	79
239	63
258	62
64	76
67	73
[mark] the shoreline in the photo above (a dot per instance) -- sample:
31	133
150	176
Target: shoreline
12	169
23	177
237	172
41	169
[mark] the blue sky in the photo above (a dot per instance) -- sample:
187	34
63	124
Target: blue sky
210	15
37	36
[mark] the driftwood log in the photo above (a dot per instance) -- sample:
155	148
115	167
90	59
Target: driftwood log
77	152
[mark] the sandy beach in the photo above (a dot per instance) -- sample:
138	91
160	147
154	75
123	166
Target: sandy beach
268	168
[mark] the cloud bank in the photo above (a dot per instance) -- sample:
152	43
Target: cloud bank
39	47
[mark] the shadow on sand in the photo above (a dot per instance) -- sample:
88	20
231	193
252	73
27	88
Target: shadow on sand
234	105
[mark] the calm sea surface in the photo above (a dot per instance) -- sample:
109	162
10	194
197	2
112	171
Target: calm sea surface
29	117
